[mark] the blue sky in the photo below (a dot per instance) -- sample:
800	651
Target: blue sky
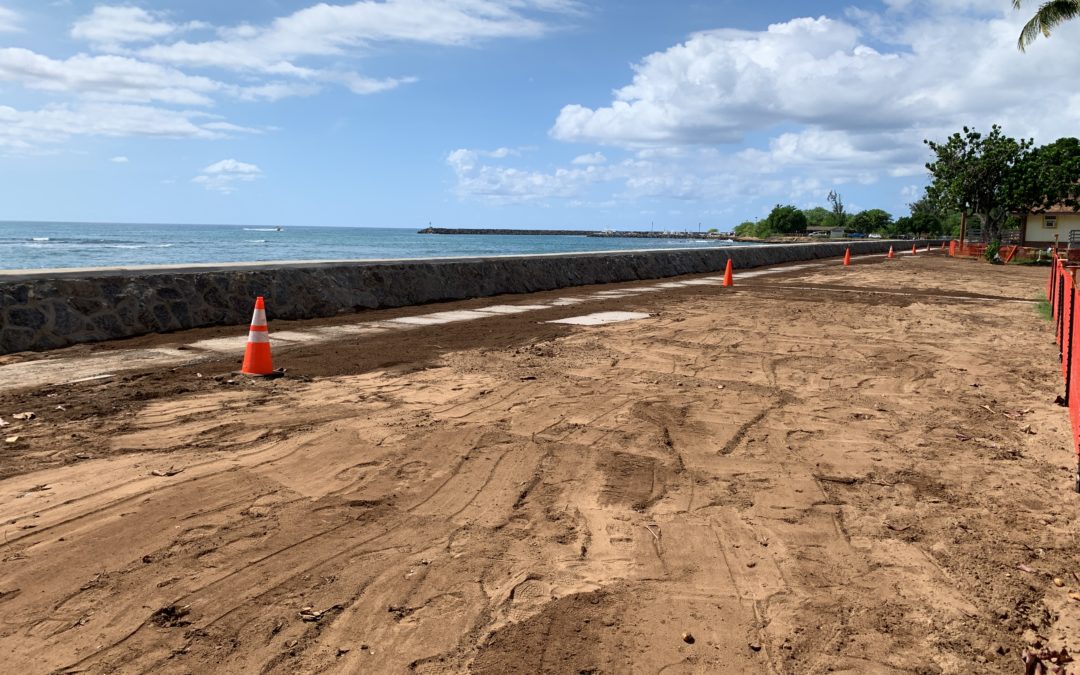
526	113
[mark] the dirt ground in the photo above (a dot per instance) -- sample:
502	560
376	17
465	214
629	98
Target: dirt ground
855	470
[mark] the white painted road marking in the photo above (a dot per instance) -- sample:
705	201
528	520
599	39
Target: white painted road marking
601	318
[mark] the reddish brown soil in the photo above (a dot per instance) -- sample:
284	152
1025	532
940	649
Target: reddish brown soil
852	470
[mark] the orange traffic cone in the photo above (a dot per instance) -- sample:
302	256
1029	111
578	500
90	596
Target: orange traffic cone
891	253
257	359
729	279
913	251
952	248
847	257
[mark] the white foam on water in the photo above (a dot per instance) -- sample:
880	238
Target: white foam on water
601	318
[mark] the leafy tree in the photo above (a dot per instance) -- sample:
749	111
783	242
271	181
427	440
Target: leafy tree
745	229
902	225
970	173
817	216
925	219
871	220
839	216
1046	176
1048	16
786	220
950	224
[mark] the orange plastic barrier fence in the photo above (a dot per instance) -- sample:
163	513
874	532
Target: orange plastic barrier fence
1061	290
1010	252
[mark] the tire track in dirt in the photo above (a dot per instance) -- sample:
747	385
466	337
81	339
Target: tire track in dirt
68	504
563	542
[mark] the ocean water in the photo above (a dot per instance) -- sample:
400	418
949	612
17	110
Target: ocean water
60	245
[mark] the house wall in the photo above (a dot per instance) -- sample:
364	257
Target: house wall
1036	233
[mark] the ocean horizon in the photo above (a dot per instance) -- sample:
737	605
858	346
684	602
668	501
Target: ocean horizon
58	245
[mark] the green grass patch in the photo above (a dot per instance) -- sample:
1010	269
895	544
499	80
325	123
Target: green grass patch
1043	308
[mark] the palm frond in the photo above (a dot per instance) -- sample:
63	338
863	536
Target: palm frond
1049	16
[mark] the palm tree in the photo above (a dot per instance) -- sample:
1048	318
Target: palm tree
1050	15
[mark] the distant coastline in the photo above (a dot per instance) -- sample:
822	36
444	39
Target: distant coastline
38	245
711	236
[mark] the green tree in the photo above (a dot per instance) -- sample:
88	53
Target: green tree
745	229
950	225
838	216
1048	16
925	219
1047	176
786	220
902	225
871	220
970	173
817	216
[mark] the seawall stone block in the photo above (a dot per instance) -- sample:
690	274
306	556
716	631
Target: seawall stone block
42	310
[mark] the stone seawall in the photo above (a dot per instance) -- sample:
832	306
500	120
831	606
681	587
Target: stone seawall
56	308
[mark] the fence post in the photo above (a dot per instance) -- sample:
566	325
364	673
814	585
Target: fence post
1050	283
1060	313
1067	334
1068	379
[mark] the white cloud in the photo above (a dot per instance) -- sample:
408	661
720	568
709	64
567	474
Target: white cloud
223	176
146	57
119	159
591	158
231	166
110	27
504	184
26	130
720	85
787	112
9	21
107	77
334	30
643	176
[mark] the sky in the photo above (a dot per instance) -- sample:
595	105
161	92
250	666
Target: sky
503	113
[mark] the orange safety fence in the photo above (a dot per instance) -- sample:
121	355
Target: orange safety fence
1012	252
1061	290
